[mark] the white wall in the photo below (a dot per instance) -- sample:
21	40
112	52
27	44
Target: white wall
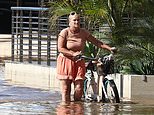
31	75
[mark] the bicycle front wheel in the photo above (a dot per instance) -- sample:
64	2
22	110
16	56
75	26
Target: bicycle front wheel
112	95
90	89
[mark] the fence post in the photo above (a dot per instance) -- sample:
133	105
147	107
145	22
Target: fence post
39	37
48	45
21	36
12	41
30	37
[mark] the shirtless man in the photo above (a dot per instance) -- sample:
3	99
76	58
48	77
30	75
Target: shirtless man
71	42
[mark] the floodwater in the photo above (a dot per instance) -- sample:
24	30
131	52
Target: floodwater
16	100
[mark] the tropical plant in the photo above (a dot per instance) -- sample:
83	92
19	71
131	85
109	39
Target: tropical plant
137	45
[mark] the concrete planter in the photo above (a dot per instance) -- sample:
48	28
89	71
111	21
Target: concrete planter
135	88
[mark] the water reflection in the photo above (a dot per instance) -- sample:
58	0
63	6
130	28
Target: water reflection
101	108
87	108
73	108
136	109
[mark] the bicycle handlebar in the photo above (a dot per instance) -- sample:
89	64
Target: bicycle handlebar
86	57
104	58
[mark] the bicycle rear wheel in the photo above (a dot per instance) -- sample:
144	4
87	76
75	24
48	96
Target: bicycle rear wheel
112	95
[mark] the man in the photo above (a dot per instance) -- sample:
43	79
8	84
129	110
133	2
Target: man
71	42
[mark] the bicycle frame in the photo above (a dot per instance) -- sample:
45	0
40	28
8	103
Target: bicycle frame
101	82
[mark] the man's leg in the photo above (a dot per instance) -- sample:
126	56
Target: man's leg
66	90
78	89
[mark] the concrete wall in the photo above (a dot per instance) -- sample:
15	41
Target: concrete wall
31	75
135	88
131	87
142	90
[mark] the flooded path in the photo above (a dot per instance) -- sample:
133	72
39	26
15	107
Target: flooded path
15	100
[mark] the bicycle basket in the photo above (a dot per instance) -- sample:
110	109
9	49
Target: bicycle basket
107	65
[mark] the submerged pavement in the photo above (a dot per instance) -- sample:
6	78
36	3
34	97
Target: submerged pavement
10	92
16	93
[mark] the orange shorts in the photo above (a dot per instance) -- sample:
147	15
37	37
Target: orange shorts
69	69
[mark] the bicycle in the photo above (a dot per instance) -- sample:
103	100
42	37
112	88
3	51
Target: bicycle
98	85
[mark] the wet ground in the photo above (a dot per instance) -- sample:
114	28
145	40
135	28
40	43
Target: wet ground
16	100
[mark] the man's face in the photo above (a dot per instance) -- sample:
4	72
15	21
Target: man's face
74	21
